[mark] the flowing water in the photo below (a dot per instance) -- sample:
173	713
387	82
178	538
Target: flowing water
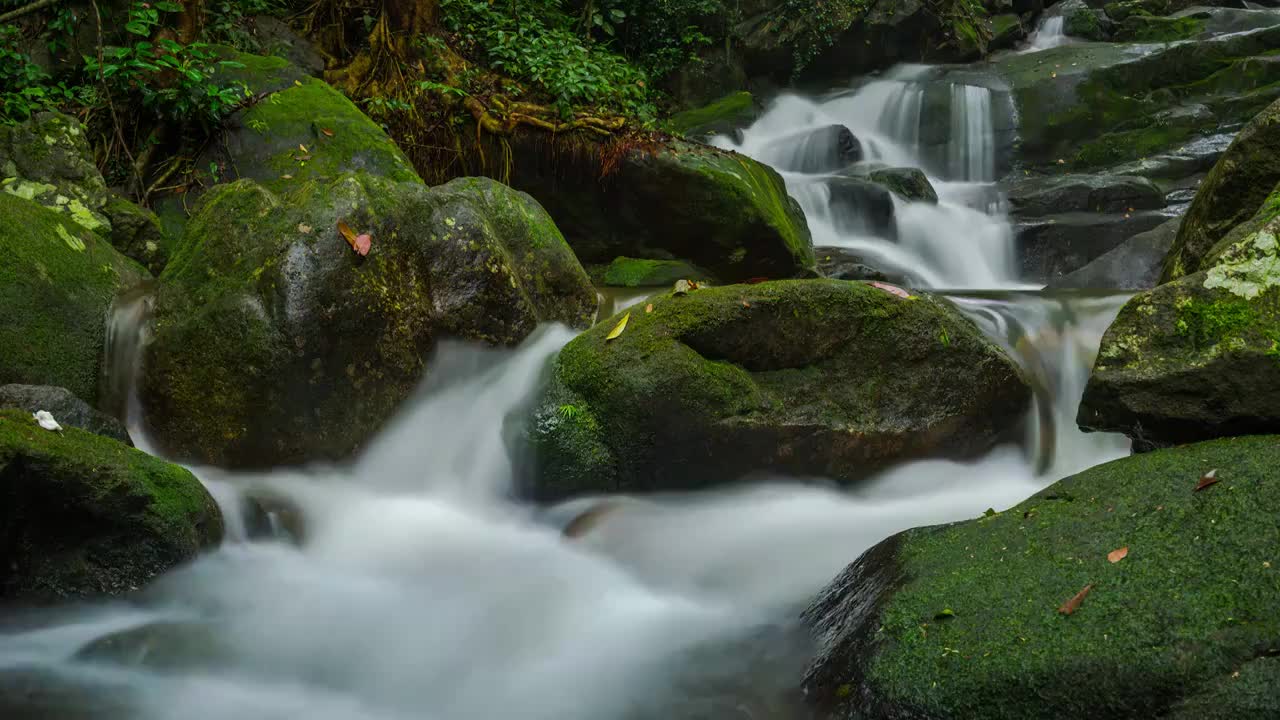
420	586
1049	34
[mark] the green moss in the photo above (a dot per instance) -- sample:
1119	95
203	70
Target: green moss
101	516
635	272
57	283
1209	323
1144	28
1192	602
729	112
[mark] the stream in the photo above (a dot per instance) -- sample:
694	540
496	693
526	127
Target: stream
413	582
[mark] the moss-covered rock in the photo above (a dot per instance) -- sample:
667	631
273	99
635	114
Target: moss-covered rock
85	515
1006	31
807	377
1232	193
137	233
729	113
666	198
1146	28
66	408
1197	358
1081	21
274	342
962	620
48	159
906	182
57	283
635	272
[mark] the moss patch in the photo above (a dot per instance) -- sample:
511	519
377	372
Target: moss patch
637	272
724	115
1193	601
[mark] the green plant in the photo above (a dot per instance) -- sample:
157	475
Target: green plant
225	21
25	87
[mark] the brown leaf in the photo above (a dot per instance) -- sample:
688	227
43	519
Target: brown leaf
758	280
348	234
1209	478
648	308
1073	604
891	289
1116	556
327	132
746	304
304	228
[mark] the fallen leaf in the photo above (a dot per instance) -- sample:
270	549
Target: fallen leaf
1209	478
363	242
304	228
327	132
693	285
302	158
1061	161
648	308
944	614
683	287
1073	604
349	235
302	147
617	329
286	177
1116	556
891	289
758	280
746	304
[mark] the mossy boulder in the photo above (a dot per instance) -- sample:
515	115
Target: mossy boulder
48	159
963	620
85	515
1146	28
137	233
804	377
1232	193
908	183
275	343
666	198
1197	358
726	115
1007	31
57	284
636	272
1081	21
66	408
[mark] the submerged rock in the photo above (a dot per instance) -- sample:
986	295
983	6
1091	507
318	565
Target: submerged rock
1231	194
963	620
1197	358
85	515
275	342
806	377
57	283
166	646
840	263
861	207
65	407
910	184
1135	264
825	149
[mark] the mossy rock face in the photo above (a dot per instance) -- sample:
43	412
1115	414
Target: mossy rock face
962	620
1081	21
1232	193
275	343
66	408
1197	358
85	515
48	159
137	233
57	283
729	113
1006	31
635	272
1145	28
806	377
669	198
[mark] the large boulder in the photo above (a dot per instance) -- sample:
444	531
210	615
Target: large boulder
66	408
274	342
1035	196
968	620
85	515
1197	358
664	198
48	159
1231	194
57	283
1133	265
805	377
1052	246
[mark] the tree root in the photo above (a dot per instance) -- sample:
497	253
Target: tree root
531	115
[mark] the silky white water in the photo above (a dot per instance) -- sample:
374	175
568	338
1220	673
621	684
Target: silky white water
1048	34
422	587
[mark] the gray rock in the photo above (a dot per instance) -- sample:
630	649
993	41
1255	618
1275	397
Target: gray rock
825	149
1052	195
1055	245
65	407
1133	265
862	206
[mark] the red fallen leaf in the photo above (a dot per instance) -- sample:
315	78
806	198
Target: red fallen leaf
1073	604
756	280
746	304
891	289
363	241
327	132
355	241
1209	478
1116	556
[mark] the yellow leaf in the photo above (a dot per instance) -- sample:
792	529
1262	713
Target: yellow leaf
617	330
347	233
648	308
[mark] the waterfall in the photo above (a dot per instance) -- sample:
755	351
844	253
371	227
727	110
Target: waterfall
1049	34
971	146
